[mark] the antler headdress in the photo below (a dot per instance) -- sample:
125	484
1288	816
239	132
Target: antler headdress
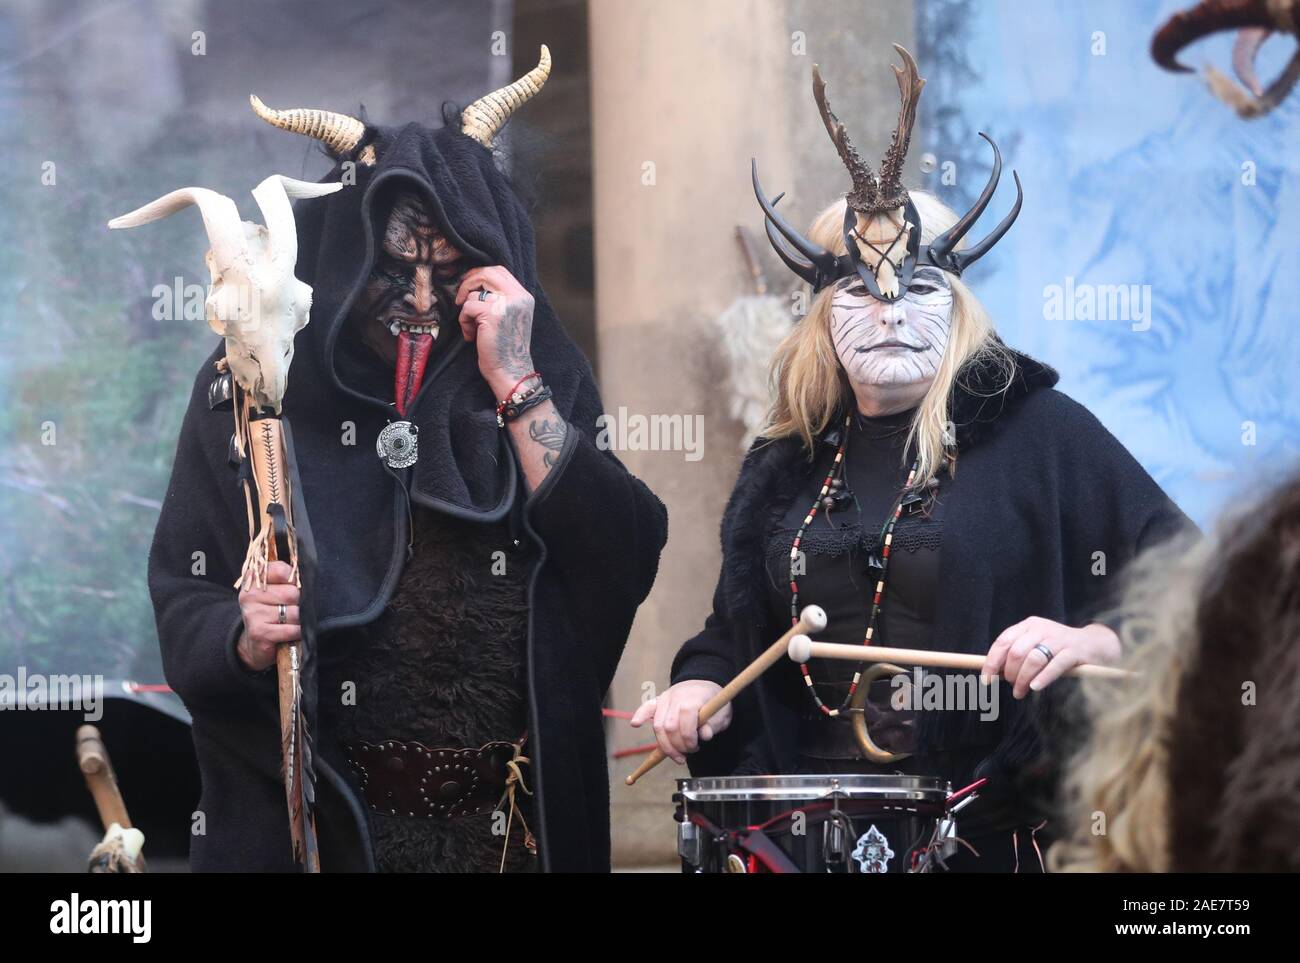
880	200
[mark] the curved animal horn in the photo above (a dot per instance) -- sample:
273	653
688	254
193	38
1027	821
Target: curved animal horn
485	117
965	259
220	217
273	196
1210	16
339	132
949	239
820	262
803	268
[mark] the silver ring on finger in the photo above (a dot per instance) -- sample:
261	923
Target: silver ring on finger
1048	654
483	295
284	614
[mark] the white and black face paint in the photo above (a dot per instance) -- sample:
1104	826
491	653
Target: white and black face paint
892	345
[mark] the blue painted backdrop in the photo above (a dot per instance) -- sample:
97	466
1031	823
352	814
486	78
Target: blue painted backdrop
1132	176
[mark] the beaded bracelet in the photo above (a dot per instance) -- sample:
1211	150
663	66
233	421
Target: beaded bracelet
515	396
512	409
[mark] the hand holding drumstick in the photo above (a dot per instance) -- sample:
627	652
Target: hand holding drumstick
693	709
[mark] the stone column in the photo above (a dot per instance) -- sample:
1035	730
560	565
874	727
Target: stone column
684	93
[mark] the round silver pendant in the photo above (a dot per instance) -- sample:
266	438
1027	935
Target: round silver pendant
398	444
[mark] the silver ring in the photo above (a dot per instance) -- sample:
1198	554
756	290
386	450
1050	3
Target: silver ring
284	614
1047	653
483	295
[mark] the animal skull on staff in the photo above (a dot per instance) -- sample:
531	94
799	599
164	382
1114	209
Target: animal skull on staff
257	304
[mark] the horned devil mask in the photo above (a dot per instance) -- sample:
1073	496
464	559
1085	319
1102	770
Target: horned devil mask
886	249
414	244
254	300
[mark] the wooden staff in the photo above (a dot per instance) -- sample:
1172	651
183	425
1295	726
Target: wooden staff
120	851
811	619
801	650
92	760
265	444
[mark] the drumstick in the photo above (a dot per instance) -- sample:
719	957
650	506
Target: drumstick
92	759
811	619
801	650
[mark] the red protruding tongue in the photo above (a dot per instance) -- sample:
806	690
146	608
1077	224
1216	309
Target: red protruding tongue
412	355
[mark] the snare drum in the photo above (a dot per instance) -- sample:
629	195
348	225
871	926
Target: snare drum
813	824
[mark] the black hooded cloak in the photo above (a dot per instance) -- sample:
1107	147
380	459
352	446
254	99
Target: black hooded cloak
594	530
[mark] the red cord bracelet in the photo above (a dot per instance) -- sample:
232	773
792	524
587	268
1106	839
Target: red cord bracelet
510	394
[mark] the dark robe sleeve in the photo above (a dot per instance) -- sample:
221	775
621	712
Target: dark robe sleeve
197	552
1112	510
1108	510
604	531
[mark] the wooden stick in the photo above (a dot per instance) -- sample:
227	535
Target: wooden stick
271	473
811	619
92	760
802	652
746	240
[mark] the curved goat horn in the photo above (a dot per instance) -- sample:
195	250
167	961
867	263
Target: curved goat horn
339	132
220	218
820	262
1210	16
485	117
273	196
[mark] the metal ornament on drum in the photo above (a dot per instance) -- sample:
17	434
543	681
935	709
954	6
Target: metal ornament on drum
814	824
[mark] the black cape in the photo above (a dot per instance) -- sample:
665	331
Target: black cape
1040	487
596	531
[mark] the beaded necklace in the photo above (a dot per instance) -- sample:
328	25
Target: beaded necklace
879	567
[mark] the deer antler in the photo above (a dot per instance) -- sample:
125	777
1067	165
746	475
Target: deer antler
865	189
892	193
869	195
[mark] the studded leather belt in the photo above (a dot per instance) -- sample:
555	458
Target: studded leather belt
412	780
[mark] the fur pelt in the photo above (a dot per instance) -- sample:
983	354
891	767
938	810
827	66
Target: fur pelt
1234	742
444	665
749	331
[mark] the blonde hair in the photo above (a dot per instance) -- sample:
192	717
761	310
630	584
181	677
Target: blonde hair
809	384
1116	793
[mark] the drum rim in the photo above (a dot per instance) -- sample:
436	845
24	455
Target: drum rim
821	786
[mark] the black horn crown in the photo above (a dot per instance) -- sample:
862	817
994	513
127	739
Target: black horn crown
872	196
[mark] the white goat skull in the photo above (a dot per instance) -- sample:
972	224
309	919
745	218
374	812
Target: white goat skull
254	301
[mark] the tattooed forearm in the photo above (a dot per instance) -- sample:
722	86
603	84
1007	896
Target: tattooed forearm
513	352
549	433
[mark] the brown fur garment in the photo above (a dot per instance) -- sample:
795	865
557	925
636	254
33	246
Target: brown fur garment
1234	755
444	665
